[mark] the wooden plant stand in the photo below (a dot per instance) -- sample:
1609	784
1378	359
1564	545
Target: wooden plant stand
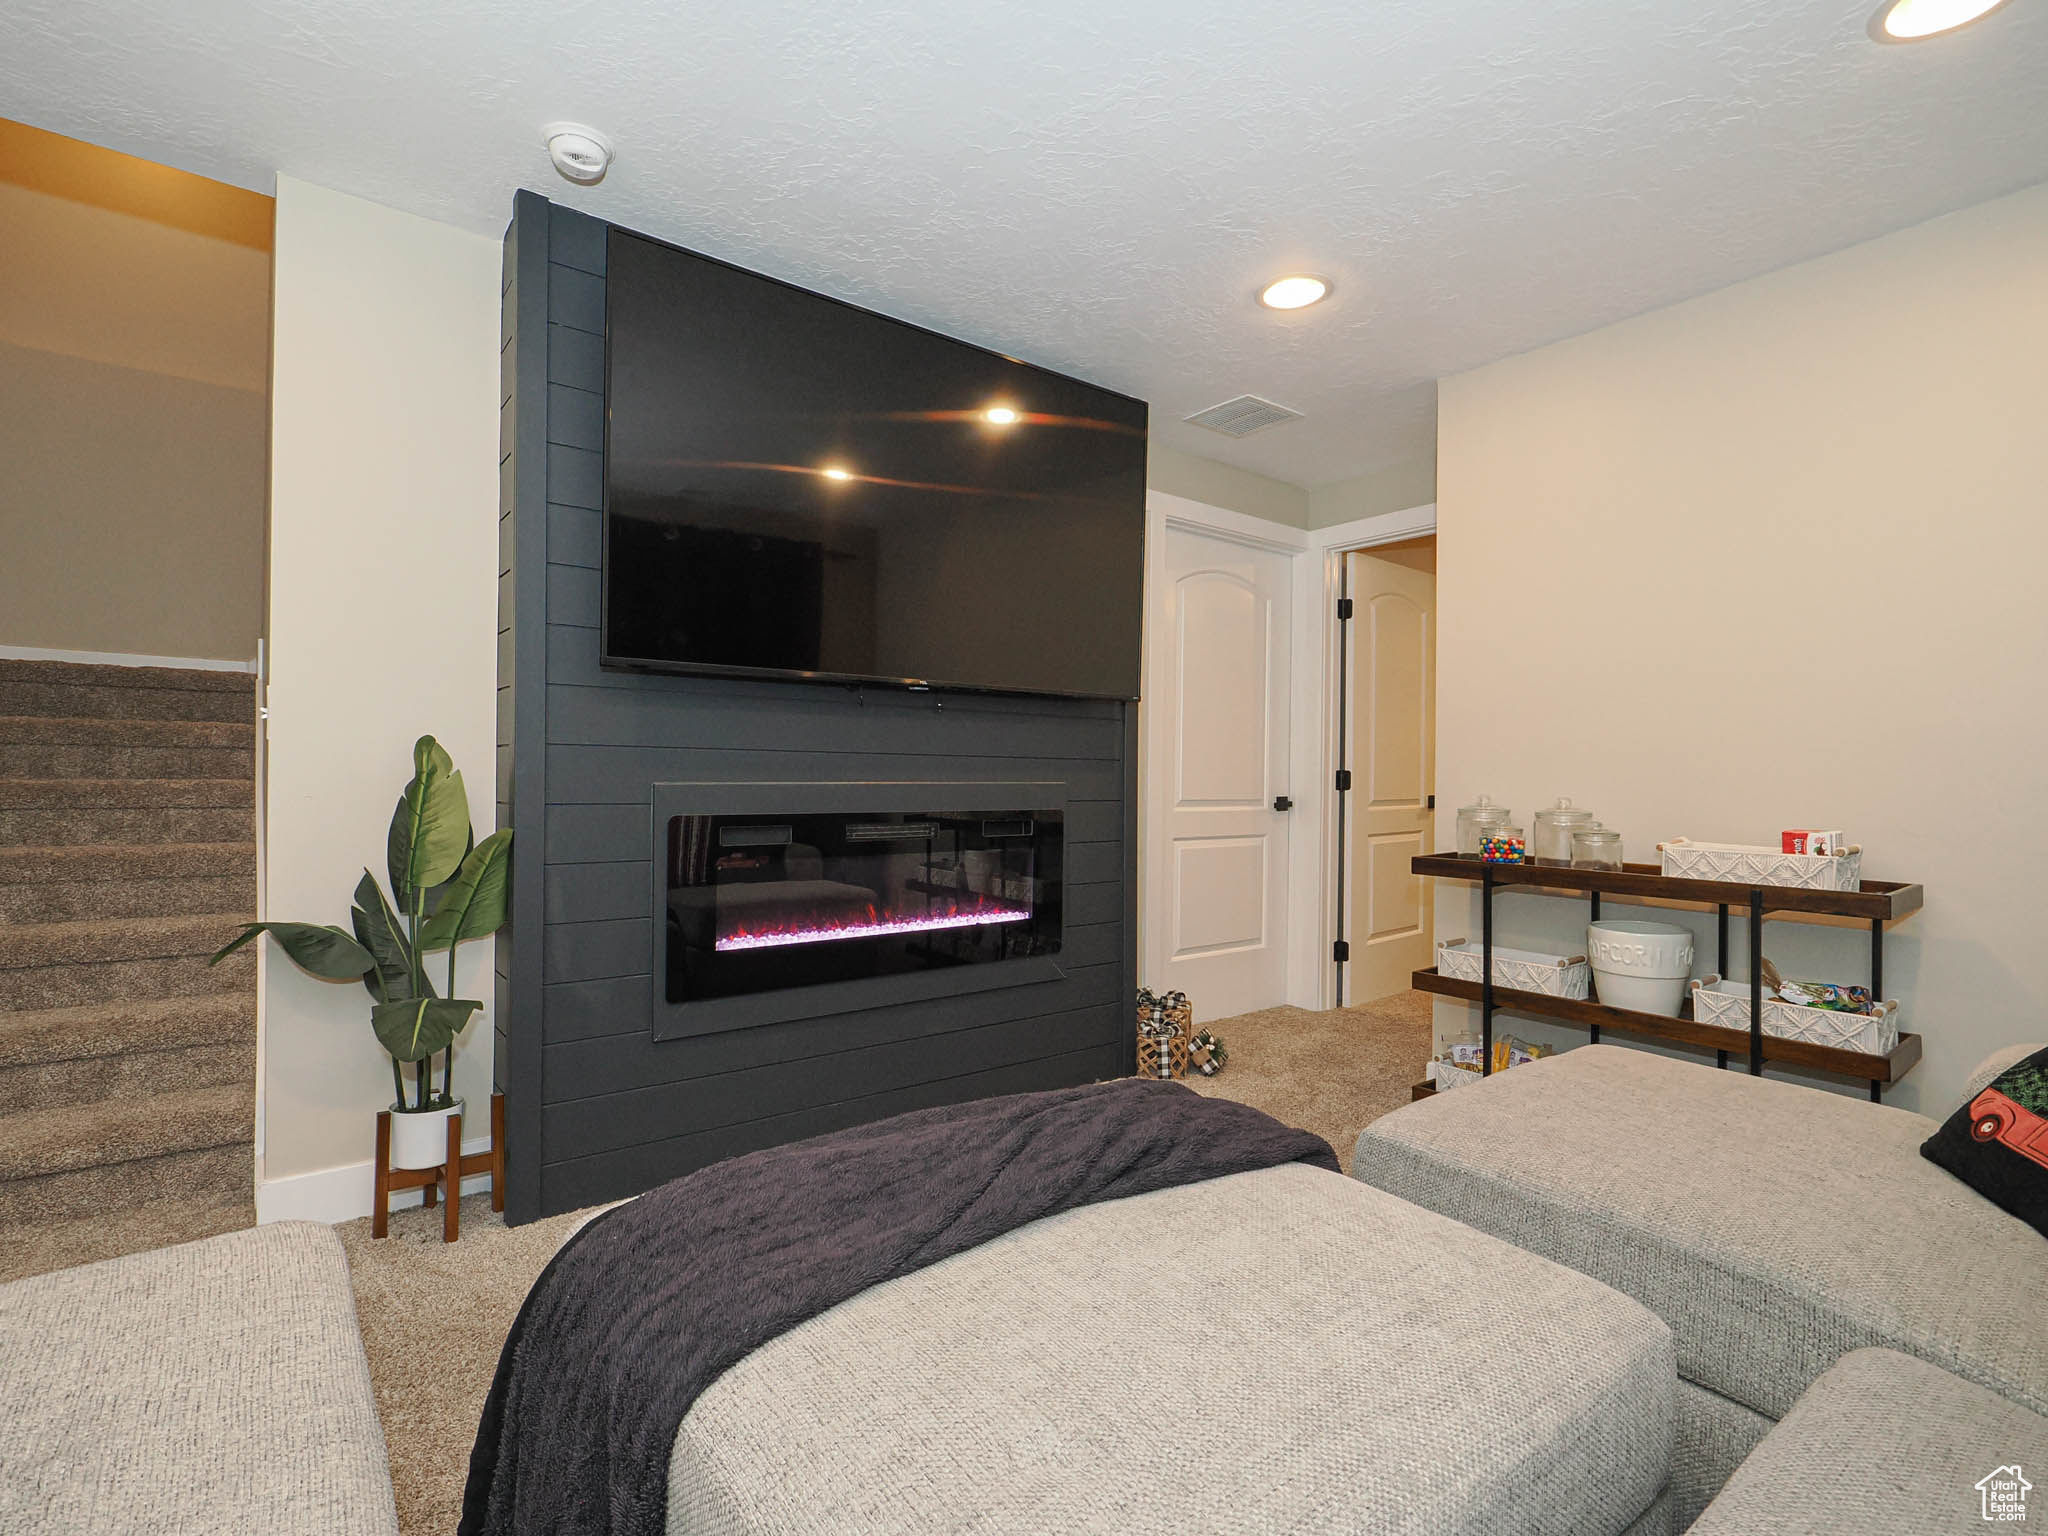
429	1181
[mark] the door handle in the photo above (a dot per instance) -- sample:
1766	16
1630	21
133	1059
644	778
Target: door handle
1282	803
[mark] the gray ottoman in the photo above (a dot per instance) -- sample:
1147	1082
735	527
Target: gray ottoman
215	1387
1284	1350
1886	1445
1773	1226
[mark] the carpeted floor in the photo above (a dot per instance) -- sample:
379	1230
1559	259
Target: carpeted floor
1332	1073
434	1315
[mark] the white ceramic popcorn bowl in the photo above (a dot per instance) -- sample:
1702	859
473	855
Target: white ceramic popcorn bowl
1640	966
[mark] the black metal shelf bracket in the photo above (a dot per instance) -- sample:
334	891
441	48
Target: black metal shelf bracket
1877	990
1486	974
1721	965
1756	983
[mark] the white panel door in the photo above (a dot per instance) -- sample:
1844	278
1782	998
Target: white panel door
1392	757
1216	749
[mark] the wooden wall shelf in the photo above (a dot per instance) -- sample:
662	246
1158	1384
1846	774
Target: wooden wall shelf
1880	900
1877	902
1684	1031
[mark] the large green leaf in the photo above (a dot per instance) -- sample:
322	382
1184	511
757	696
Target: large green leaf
380	931
473	903
421	1026
429	826
328	953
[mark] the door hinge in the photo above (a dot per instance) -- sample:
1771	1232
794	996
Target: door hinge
1340	951
1282	803
1343	780
1432	802
1343	609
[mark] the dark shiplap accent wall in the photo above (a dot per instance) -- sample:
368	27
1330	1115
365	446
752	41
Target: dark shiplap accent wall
597	1108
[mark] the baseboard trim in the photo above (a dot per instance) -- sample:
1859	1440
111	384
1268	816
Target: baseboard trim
346	1193
124	659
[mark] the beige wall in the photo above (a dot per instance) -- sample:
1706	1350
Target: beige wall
1224	485
384	546
1390	488
132	509
1774	558
133	361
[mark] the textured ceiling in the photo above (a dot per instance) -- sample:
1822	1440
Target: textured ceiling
1103	187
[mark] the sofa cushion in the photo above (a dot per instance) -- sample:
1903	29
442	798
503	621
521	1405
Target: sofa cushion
1997	1143
215	1387
1281	1350
1991	1066
1885	1445
1775	1227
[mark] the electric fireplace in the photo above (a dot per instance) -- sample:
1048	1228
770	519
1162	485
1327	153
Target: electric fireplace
777	903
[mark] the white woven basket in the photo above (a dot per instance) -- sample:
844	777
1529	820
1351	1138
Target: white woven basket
1526	970
1726	1004
1755	864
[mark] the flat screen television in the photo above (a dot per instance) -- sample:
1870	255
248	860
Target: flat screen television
796	487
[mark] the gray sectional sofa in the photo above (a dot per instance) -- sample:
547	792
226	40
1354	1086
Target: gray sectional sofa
1676	1275
213	1389
1773	1227
1883	1445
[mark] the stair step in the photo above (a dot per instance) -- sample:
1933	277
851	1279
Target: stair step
39	987
53	760
39	1247
103	675
82	824
125	703
96	900
66	1140
120	938
126	861
132	1074
86	731
223	1175
125	794
98	1030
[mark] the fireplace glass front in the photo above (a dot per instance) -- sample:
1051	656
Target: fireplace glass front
764	903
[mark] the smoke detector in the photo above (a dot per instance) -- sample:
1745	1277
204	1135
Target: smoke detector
580	153
1242	417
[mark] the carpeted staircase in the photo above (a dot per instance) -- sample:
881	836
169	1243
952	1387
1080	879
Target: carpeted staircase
127	856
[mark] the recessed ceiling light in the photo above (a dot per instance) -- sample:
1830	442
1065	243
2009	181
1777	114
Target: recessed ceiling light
1908	21
1296	292
1000	416
836	472
581	154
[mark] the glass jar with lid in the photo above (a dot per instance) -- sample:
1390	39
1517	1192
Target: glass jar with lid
1596	847
1502	842
1555	825
1474	819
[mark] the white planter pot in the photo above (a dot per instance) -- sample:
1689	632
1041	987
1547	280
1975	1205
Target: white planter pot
1641	966
1641	994
419	1138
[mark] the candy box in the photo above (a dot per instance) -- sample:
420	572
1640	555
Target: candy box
1809	840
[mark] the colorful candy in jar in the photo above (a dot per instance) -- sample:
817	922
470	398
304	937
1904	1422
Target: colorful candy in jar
1504	847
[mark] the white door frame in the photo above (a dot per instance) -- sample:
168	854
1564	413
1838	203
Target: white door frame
1318	861
1314	860
1164	511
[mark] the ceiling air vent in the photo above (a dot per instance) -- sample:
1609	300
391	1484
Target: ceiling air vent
1243	416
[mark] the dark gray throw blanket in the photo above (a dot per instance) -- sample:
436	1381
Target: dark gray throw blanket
649	1304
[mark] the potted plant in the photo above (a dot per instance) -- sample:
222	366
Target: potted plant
445	888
